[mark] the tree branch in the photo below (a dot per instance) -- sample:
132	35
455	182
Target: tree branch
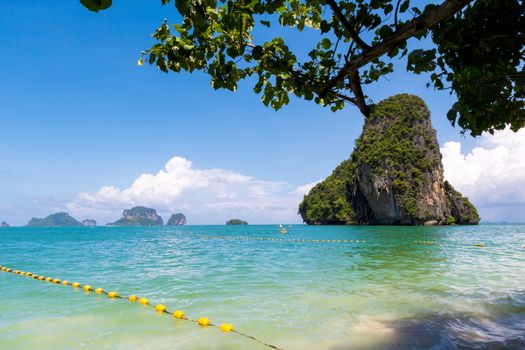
355	85
347	26
416	26
395	13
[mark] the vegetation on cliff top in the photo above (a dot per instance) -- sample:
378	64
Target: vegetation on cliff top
326	203
139	216
54	220
236	222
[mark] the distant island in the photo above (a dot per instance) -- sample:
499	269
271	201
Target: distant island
393	177
4	224
236	222
54	220
89	222
138	216
177	219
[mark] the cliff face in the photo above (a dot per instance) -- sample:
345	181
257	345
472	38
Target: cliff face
138	216
463	212
54	220
177	220
394	176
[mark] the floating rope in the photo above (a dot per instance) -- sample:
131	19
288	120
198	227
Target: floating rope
160	308
425	242
291	240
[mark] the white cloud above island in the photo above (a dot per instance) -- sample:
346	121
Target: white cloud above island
204	195
492	175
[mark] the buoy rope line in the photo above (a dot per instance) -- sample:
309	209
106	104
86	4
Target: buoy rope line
292	240
160	308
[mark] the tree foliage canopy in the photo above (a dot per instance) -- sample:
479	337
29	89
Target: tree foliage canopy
478	51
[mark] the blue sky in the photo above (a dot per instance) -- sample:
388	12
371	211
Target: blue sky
78	114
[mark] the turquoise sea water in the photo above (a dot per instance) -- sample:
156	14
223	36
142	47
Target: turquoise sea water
387	293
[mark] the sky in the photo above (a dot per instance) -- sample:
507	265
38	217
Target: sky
84	129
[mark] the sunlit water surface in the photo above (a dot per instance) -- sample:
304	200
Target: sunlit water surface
387	293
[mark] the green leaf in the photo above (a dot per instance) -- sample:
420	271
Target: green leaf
257	52
326	43
96	5
265	23
404	6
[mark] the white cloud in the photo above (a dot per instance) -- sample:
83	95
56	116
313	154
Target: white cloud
492	175
205	196
305	189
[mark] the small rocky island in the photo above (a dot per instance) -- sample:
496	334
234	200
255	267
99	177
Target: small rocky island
236	222
89	222
393	177
177	219
138	216
54	220
4	224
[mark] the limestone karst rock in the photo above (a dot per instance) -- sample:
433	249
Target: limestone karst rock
177	219
138	216
394	176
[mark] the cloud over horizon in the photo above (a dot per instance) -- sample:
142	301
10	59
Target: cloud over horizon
492	175
204	195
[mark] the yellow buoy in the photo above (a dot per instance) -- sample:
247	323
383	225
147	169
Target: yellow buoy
133	298
29	274
203	321
49	279
56	280
41	278
87	288
160	308
226	327
112	295
479	245
35	277
144	301
178	314
65	283
99	290
75	284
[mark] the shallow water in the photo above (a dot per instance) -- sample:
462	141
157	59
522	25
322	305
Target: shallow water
387	293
